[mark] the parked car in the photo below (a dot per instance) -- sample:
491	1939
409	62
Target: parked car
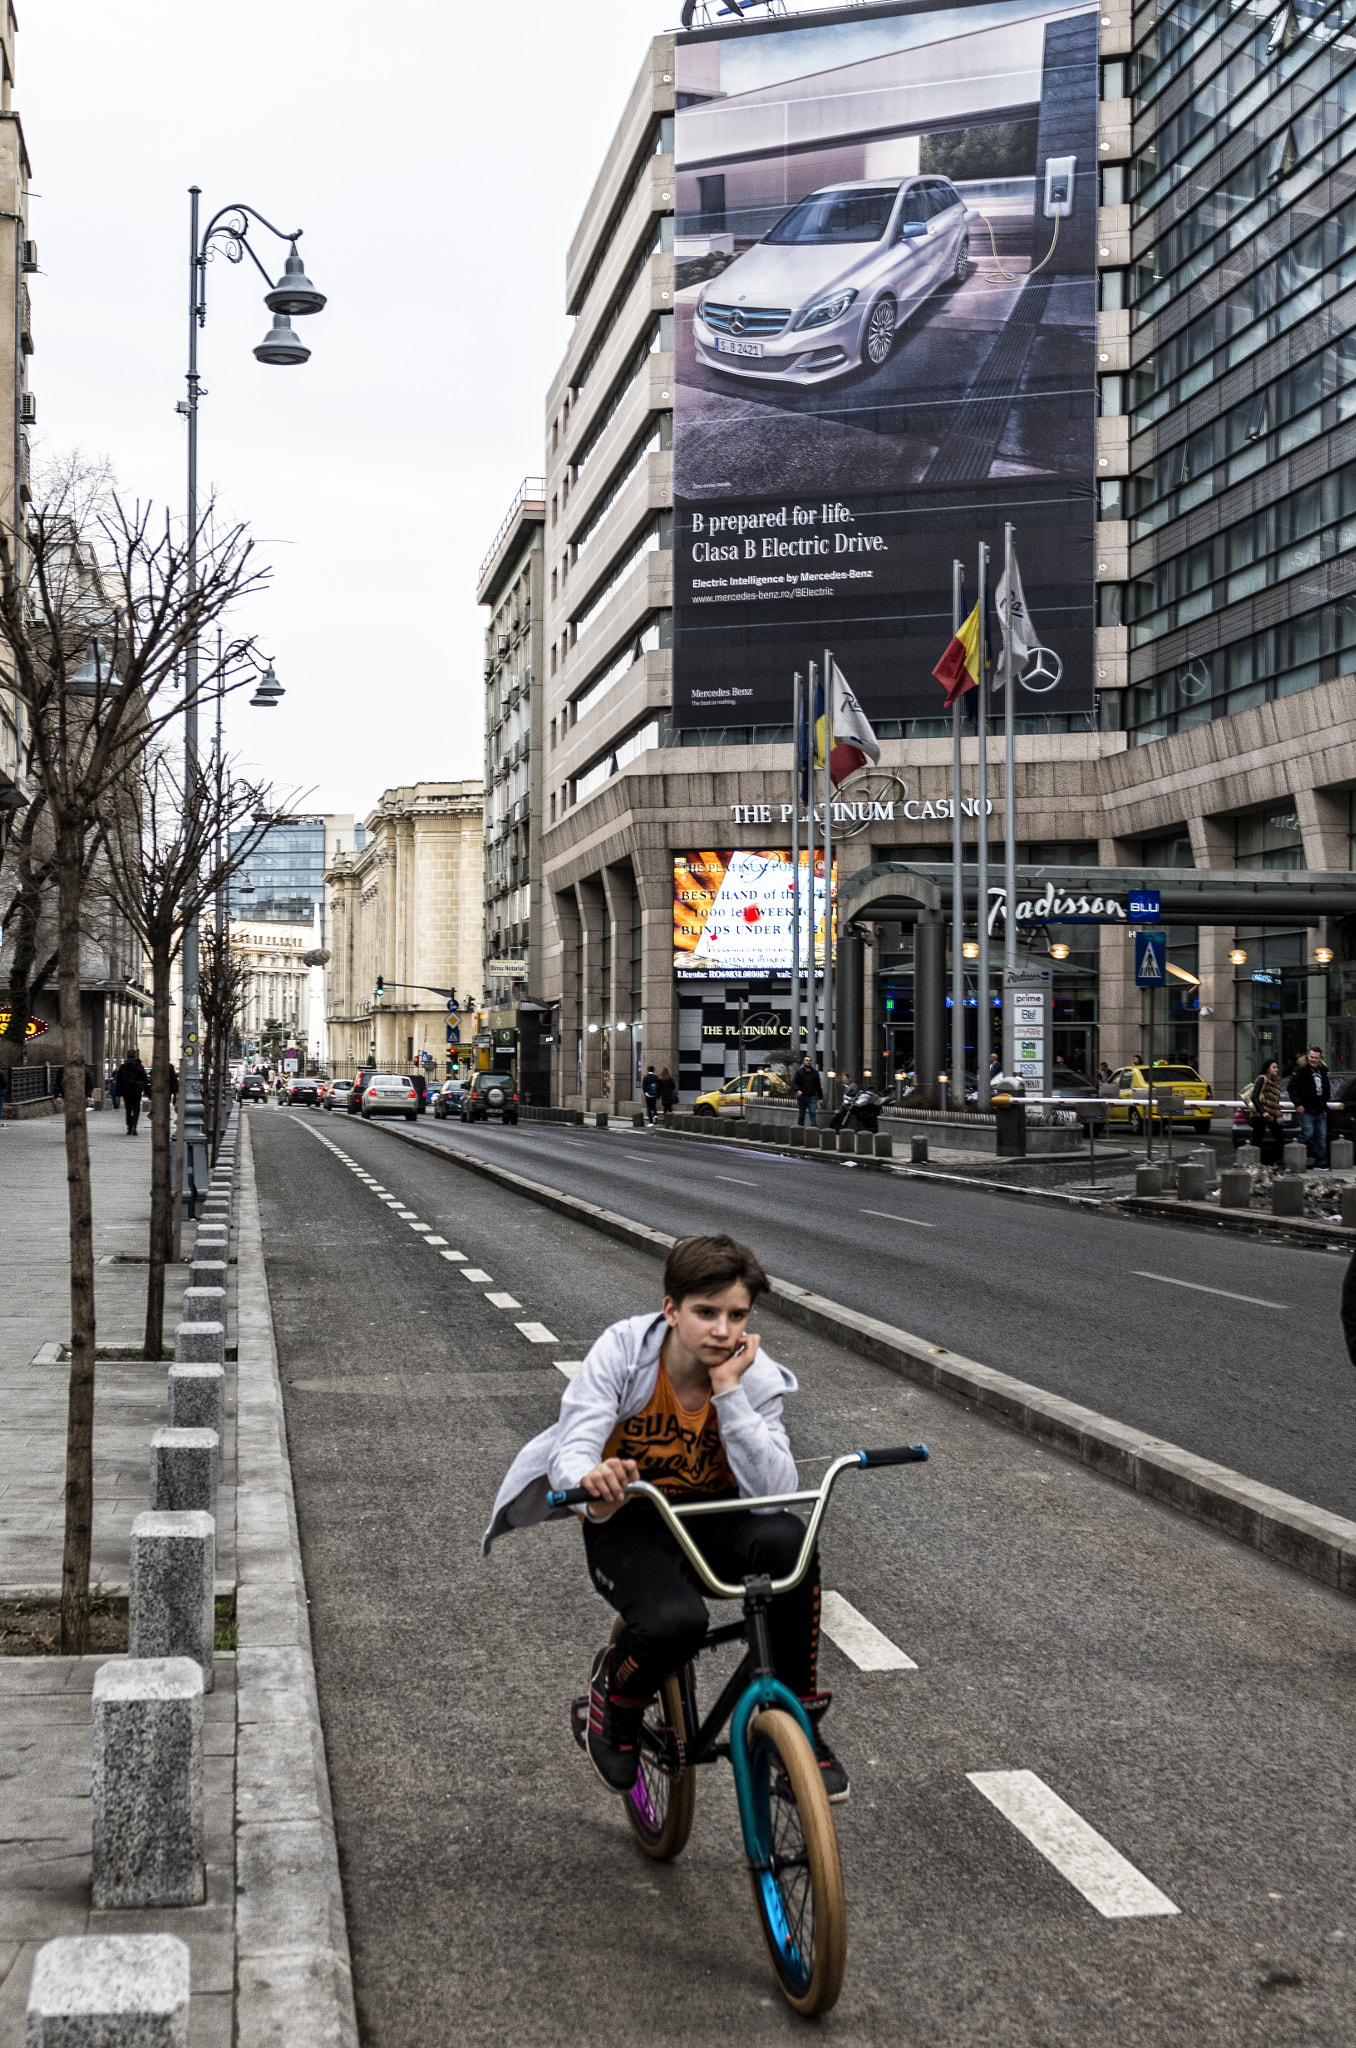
253	1088
742	1092
1066	1080
1129	1096
829	287
1342	1112
303	1088
390	1095
447	1101
489	1095
334	1094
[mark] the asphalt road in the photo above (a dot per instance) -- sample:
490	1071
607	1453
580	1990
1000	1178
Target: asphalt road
1227	1347
1188	1699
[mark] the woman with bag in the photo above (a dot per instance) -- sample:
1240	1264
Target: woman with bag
1264	1110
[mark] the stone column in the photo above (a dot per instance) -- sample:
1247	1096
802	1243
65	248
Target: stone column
592	910
658	989
147	1784
616	881
171	1603
109	1991
1212	846
1119	1009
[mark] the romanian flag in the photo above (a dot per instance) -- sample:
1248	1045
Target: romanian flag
958	669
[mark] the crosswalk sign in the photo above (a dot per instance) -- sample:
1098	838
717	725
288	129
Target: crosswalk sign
1151	959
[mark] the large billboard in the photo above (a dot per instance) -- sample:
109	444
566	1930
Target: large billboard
885	348
732	913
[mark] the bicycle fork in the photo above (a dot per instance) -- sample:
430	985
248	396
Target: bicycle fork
764	1689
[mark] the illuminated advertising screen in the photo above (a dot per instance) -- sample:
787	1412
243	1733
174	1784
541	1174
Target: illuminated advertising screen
732	913
886	303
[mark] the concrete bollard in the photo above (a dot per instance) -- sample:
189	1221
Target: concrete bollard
1287	1196
1192	1182
1235	1188
1148	1180
212	1241
208	1272
578	1115
1294	1158
1204	1157
866	1143
197	1399
184	1470
171	1595
884	1148
600	1119
200	1343
796	1134
637	1120
109	1991
205	1304
1349	1208
1342	1155
147	1783
1247	1155
918	1151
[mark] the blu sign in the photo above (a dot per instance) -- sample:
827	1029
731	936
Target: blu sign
1144	906
1151	959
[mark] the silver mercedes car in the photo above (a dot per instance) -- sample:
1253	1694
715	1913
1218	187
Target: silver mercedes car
828	288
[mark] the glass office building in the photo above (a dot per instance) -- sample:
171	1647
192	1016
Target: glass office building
287	869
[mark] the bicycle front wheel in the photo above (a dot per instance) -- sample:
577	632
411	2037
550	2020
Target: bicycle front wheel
801	1907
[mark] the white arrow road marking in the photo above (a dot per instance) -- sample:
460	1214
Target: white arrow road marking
1107	1881
1253	1300
569	1366
503	1301
536	1333
859	1638
474	1273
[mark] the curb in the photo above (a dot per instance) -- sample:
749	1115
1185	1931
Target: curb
293	1975
1298	1230
1289	1531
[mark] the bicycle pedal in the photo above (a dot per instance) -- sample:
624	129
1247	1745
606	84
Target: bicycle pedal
579	1720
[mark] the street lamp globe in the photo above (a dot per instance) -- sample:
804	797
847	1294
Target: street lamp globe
92	674
1238	957
281	345
270	689
294	293
970	949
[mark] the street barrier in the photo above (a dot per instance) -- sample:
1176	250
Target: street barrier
205	1304
200	1343
1349	1207
918	1151
1235	1188
1248	1155
1287	1194
184	1470
147	1784
171	1589
1342	1155
109	1991
207	1272
883	1147
1148	1180
1193	1183
197	1400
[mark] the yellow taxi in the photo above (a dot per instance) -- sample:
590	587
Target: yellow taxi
734	1096
1129	1093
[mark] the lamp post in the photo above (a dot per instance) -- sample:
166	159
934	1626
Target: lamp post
292	294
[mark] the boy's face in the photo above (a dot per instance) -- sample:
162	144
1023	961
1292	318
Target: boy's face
710	1327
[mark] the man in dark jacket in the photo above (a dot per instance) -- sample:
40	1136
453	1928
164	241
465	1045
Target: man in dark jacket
809	1088
650	1090
133	1082
1311	1093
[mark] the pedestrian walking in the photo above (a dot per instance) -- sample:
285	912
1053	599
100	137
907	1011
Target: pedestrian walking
649	1088
809	1091
112	1089
1104	1080
1264	1113
133	1082
1311	1093
668	1091
174	1084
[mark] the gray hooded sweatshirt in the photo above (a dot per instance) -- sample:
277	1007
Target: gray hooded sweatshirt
615	1382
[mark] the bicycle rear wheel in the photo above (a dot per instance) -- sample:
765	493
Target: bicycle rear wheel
801	1906
661	1803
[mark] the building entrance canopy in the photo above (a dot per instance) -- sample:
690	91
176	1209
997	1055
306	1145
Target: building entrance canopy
1057	895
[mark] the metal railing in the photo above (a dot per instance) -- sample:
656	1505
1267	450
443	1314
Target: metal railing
29	1084
531	491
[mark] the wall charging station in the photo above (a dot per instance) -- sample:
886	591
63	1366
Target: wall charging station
1059	186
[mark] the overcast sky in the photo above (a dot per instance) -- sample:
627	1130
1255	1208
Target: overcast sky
438	157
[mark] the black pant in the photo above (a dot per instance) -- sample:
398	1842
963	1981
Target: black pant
639	1569
651	1105
132	1106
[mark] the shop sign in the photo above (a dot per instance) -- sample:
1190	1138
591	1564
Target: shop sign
35	1028
516	969
763	1024
505	1038
863	811
1055	906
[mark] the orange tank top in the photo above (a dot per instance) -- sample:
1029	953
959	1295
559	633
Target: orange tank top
676	1449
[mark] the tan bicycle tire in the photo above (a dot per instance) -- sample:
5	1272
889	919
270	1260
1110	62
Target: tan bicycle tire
828	1900
670	1840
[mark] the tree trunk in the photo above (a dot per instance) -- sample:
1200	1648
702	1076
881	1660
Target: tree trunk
75	1561
162	1180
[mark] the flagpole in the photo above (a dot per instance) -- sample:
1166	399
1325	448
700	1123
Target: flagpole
811	990
983	1010
797	700
957	873
1009	788
830	1050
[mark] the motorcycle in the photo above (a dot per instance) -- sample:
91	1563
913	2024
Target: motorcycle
859	1110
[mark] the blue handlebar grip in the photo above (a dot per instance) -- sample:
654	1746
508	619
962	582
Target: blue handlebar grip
555	1500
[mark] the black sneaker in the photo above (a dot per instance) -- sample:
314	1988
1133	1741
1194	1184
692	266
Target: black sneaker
613	1741
831	1771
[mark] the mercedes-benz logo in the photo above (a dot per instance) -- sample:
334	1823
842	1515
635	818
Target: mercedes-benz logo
736	322
1043	672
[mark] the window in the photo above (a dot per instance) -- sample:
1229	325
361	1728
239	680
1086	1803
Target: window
656	632
854	216
1269	839
1169	850
636	743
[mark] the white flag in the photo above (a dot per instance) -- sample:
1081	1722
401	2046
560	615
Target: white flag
854	743
1025	639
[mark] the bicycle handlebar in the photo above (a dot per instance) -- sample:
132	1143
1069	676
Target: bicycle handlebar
906	1454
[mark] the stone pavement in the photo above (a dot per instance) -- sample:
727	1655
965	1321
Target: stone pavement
35	1321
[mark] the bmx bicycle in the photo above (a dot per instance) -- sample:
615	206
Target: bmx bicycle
784	1812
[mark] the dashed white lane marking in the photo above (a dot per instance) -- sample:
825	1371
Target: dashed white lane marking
503	1300
859	1638
454	1255
420	1226
569	1366
537	1333
474	1273
1253	1300
735	1180
891	1217
435	1240
1106	1879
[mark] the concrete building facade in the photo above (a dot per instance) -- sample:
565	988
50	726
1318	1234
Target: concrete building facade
18	260
512	585
1224	733
407	908
279	982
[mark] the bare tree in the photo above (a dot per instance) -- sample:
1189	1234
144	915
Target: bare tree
222	980
168	844
98	608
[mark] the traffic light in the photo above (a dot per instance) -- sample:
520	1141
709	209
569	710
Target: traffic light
381	989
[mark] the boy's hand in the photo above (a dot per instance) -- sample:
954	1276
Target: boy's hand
724	1378
608	1483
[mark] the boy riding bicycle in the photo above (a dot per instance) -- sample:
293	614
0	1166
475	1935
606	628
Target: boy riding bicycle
687	1400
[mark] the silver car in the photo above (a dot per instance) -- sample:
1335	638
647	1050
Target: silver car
389	1095
827	289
